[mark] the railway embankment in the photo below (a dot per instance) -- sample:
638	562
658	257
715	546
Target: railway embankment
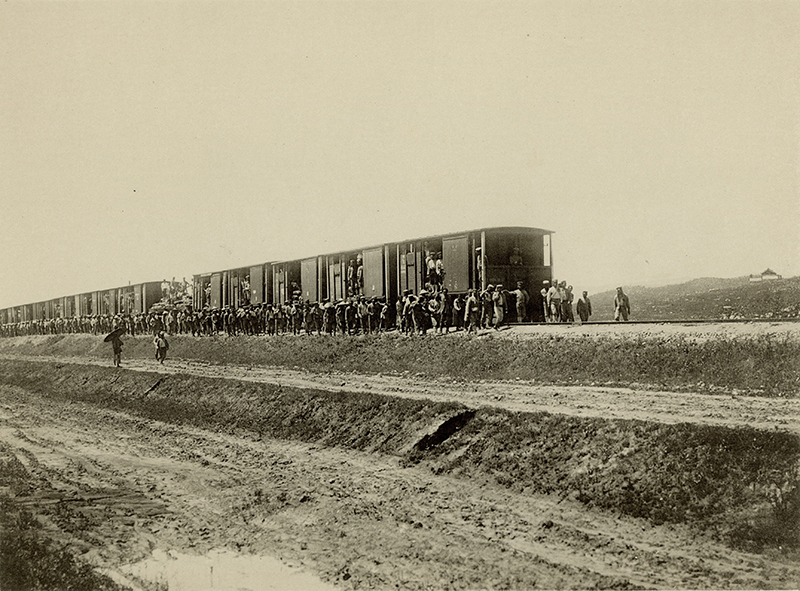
739	485
761	364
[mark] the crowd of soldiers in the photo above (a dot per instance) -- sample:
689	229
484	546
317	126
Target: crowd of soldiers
432	309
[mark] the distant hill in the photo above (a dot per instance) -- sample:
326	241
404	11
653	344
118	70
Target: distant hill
706	298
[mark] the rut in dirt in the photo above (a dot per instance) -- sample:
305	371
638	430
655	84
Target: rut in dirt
740	484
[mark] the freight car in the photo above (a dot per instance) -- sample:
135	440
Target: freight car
471	259
130	299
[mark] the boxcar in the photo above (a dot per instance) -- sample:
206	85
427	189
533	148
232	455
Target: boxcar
232	287
478	258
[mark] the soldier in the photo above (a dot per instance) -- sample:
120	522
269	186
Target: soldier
171	322
351	278
408	312
309	317
430	268
319	316
439	270
341	316
280	318
521	299
359	276
584	307
398	313
351	317
161	344
376	307
434	310
622	306
457	313
554	302
371	325
384	318
418	313
567	298
471	311
487	306
130	324
116	347
294	318
408	315
329	316
445	311
362	315
545	306
566	305
499	305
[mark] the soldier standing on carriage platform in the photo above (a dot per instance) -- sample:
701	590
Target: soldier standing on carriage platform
522	299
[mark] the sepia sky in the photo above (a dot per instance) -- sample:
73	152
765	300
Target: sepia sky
141	141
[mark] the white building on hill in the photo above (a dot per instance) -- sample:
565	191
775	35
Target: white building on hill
768	275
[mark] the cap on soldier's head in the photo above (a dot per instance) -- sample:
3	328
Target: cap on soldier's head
545	281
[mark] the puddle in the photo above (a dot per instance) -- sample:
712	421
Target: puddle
222	570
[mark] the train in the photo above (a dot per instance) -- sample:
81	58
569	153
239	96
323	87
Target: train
129	299
470	259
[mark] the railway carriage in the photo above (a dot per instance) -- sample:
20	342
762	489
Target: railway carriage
478	258
233	287
471	259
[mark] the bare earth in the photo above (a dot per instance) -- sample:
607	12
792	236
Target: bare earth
136	487
689	330
605	402
349	518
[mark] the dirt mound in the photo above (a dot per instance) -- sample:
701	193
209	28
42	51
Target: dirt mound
740	484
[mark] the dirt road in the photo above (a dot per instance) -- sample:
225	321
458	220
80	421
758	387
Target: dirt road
120	489
588	401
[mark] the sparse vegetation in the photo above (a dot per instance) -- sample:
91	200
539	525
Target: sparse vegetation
708	299
765	365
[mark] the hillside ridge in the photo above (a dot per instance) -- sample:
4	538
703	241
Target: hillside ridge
710	298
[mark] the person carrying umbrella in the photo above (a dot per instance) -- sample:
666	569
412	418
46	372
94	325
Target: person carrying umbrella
116	344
